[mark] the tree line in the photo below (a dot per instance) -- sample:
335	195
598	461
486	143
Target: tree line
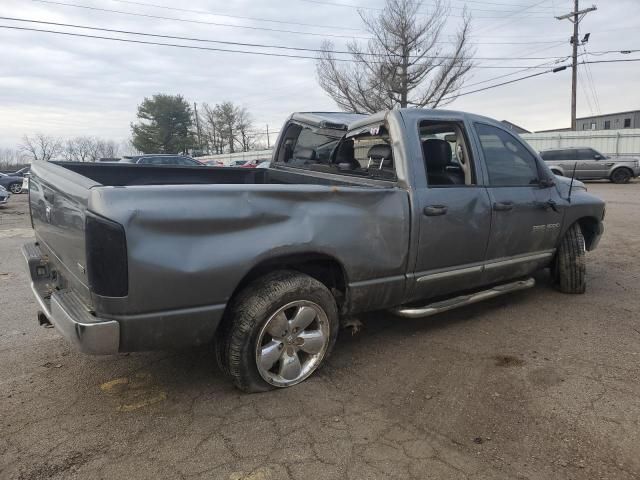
168	124
38	146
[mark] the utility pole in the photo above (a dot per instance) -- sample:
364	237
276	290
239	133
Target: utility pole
195	109
575	17
268	144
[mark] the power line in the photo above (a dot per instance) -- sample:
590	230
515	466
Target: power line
214	49
557	69
199	22
257	45
202	22
364	7
257	19
522	10
591	83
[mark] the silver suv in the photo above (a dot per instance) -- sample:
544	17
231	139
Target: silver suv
591	164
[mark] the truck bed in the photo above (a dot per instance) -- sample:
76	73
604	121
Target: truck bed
191	234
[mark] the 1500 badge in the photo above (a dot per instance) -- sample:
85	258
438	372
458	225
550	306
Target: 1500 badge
548	226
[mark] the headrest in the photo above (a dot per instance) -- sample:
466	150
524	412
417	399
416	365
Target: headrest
437	153
380	152
304	153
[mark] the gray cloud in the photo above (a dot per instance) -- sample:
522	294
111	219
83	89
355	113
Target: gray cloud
74	86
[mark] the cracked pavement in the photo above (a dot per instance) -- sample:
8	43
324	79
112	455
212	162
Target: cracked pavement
532	385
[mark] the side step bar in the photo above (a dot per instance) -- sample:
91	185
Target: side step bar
451	303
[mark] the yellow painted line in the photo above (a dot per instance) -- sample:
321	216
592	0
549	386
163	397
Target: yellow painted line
108	386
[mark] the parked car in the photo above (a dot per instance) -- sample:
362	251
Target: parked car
4	196
255	163
162	159
390	220
19	173
13	183
590	164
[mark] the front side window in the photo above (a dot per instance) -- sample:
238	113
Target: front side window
586	154
508	162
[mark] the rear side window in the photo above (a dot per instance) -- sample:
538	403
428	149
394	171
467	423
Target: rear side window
365	153
445	154
550	155
508	161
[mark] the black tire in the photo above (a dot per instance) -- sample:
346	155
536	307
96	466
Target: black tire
569	268
15	188
250	310
621	175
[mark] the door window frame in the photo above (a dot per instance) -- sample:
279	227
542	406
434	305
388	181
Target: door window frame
476	170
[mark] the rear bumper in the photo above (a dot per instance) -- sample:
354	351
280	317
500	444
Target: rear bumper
104	334
66	311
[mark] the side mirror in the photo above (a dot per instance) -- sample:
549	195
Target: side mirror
547	182
597	156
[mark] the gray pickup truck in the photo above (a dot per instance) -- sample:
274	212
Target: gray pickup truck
410	211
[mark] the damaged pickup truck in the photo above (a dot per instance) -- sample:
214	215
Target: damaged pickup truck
411	211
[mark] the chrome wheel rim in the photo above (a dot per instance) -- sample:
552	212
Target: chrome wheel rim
15	188
292	343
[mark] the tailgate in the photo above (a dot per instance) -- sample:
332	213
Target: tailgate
58	201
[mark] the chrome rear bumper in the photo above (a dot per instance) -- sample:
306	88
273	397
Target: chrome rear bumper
67	312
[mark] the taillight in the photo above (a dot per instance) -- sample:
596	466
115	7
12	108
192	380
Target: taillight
106	247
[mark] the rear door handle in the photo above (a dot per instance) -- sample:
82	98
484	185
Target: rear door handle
435	210
503	206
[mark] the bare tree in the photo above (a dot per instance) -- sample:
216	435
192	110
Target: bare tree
244	124
106	149
213	129
403	65
9	158
40	147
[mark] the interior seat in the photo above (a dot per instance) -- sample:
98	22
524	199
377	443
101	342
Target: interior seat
437	156
380	156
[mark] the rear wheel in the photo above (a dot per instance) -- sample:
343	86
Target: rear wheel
621	175
280	329
569	268
15	187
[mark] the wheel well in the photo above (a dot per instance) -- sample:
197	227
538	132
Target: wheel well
323	268
589	227
622	168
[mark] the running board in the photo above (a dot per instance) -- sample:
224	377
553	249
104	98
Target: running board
451	303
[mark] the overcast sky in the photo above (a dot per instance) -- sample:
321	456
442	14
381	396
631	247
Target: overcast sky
67	86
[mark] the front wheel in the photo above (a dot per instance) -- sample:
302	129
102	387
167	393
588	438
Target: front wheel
280	329
15	188
621	175
569	266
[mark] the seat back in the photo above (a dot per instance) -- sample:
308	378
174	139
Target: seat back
437	156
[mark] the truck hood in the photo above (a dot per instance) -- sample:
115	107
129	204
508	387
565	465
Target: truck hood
564	182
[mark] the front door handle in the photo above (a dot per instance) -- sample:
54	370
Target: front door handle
435	210
503	206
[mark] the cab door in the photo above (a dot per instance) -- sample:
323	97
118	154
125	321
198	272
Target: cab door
525	214
454	212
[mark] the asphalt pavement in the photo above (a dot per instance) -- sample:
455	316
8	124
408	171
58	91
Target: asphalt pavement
532	385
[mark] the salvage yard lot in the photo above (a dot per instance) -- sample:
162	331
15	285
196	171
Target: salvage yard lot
535	384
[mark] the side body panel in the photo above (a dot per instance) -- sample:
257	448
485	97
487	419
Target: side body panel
194	249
